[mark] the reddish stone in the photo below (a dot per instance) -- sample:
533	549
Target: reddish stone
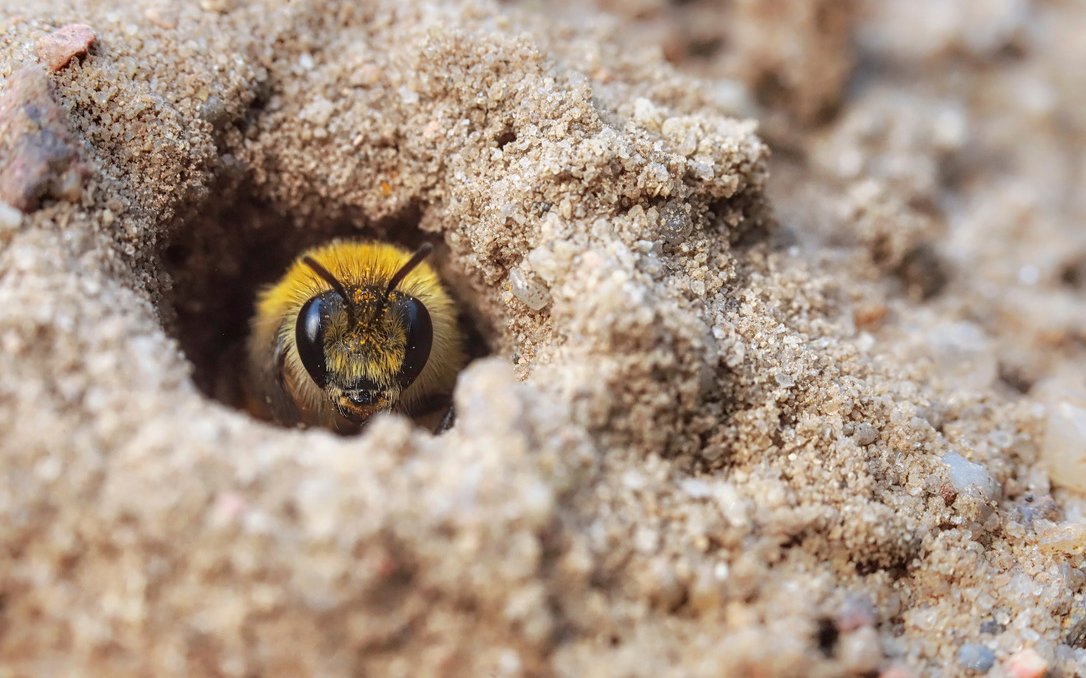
1027	664
57	49
38	156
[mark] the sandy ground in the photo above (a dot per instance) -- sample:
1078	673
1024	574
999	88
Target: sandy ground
778	311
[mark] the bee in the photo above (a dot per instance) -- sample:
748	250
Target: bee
352	329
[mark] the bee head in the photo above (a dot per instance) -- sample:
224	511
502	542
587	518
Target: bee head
364	347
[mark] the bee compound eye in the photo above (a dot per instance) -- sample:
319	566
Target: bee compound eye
420	338
309	336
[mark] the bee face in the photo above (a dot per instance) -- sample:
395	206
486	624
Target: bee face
363	355
353	329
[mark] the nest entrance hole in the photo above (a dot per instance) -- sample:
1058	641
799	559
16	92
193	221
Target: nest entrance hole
220	259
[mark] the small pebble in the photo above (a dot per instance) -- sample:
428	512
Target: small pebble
976	657
970	477
159	17
860	651
675	221
857	611
41	159
10	218
992	627
866	434
531	292
870	317
646	113
57	49
218	6
1065	538
1064	449
1027	664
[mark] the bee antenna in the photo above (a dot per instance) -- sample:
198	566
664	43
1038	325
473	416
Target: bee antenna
337	286
421	253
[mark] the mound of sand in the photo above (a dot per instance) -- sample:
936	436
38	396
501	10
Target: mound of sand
719	424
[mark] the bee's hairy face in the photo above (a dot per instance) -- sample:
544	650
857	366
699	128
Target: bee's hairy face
363	356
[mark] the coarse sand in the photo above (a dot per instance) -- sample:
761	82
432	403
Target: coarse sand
778	312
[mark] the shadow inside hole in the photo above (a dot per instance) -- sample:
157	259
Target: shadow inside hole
220	260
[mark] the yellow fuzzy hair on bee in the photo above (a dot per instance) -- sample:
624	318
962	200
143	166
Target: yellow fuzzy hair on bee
351	329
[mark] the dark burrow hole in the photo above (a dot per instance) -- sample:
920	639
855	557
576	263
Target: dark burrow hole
507	137
1073	273
220	259
826	636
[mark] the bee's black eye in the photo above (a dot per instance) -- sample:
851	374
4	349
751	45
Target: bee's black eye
420	337
309	335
